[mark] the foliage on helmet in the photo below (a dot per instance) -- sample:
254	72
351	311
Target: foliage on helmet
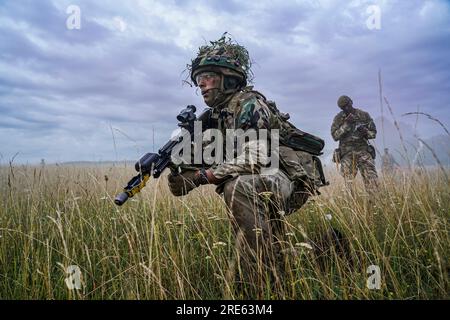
223	54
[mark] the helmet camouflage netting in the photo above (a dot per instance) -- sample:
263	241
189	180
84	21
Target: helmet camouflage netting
225	56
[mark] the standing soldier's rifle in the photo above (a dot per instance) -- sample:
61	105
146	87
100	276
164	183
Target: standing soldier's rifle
153	164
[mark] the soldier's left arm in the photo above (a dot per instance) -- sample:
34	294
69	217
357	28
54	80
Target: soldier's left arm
253	114
371	128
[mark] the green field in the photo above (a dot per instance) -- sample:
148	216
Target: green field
158	246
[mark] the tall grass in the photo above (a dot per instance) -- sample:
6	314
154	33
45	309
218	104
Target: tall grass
161	247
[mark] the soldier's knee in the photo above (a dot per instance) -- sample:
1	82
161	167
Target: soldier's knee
242	187
231	188
228	191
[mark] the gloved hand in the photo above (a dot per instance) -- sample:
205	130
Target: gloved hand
363	131
182	183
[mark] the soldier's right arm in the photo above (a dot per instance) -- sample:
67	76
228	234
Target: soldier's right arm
339	128
256	115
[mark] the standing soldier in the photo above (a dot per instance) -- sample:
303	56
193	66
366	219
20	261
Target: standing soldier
353	128
257	201
388	163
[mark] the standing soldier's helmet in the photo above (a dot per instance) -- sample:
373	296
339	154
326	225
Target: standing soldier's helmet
226	58
344	101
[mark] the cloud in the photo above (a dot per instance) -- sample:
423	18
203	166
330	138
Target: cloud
65	93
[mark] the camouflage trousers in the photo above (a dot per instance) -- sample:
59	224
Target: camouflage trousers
388	170
257	204
362	161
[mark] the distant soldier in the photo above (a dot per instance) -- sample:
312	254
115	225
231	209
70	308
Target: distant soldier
353	128
388	163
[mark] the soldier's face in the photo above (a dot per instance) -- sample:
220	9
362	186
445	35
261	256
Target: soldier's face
209	84
347	108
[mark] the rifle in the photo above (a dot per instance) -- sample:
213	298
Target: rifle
153	164
360	125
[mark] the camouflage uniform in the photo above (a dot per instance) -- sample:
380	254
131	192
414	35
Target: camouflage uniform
257	200
354	152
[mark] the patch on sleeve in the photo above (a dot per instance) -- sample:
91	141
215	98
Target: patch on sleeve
246	114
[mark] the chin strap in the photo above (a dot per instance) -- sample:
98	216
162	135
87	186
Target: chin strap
223	98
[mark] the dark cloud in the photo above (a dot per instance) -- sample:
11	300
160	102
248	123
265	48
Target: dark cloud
122	71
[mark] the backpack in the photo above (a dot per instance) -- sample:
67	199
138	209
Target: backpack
295	138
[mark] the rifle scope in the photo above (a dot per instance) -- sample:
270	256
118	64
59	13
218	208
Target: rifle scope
187	114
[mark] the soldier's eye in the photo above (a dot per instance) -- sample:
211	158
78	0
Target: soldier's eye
205	76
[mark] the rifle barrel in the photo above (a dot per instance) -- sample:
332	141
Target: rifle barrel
121	198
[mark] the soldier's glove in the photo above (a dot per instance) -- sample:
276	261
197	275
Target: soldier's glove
181	184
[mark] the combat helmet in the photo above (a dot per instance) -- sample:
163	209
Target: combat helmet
343	101
225	57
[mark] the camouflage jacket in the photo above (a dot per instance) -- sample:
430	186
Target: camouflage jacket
248	109
350	139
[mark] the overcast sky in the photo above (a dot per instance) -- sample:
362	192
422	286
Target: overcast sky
99	92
